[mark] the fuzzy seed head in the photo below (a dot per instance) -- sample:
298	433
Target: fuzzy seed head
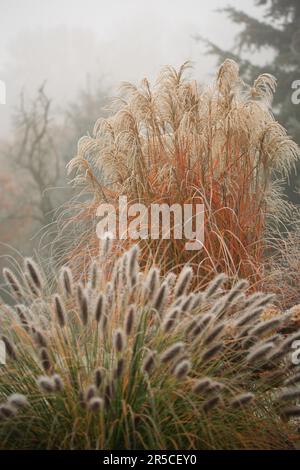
182	369
170	353
59	310
119	340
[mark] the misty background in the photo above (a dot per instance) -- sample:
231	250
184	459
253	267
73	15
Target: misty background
75	45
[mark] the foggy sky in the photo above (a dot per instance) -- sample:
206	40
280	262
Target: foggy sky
73	44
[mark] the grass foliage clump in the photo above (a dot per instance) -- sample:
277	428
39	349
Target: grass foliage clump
136	359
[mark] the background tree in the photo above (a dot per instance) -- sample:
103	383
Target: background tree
278	37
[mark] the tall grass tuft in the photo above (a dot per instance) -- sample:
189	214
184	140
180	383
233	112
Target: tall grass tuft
177	143
140	381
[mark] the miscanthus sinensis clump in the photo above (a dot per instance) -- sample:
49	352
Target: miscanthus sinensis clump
130	359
